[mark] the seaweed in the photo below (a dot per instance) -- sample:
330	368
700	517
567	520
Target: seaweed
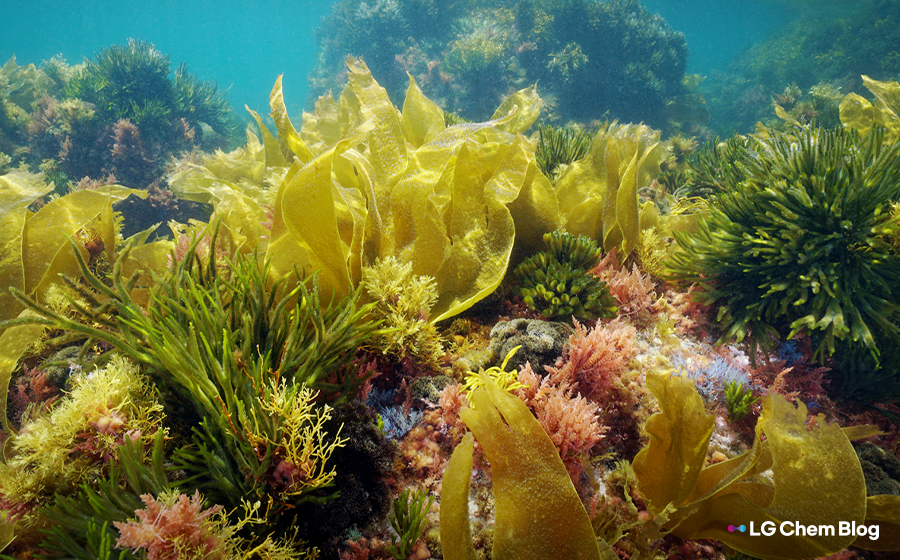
801	243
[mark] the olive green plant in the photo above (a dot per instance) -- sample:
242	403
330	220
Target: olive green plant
81	525
800	245
133	81
408	519
739	400
258	359
715	167
558	147
558	282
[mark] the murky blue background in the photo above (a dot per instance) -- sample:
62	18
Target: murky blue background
243	46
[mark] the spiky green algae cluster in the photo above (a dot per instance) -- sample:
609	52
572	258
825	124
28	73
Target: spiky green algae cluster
132	81
557	282
799	244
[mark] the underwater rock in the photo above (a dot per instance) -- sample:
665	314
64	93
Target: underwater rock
363	465
541	342
881	469
59	375
429	388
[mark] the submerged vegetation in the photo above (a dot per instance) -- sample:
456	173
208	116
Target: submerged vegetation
558	283
282	380
807	66
799	246
123	115
595	60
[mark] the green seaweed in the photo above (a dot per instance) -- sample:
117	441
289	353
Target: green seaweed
558	282
738	400
800	244
132	81
558	147
408	521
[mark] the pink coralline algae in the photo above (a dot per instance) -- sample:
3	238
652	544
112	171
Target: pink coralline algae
168	531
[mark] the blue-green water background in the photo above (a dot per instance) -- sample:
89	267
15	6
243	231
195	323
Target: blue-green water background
243	46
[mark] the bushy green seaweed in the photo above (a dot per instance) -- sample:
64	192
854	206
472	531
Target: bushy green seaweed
715	167
738	400
558	282
245	354
132	81
557	147
408	520
800	244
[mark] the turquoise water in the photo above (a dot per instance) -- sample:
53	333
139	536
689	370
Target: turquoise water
242	46
718	31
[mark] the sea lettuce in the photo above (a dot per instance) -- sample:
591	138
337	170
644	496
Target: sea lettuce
792	473
402	184
537	512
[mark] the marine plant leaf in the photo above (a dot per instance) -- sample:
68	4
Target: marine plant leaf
792	473
538	513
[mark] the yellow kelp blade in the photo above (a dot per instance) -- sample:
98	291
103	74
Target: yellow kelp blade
422	118
581	189
535	212
387	147
274	157
46	249
887	105
326	125
479	226
527	104
667	469
447	217
815	480
13	343
884	511
538	514
308	208
283	123
456	534
858	113
18	189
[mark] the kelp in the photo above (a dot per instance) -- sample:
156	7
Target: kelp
402	184
808	476
367	182
240	185
37	251
18	189
538	513
598	194
859	113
